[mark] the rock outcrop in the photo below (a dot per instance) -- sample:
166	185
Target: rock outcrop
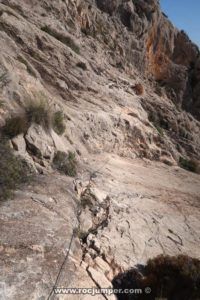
128	85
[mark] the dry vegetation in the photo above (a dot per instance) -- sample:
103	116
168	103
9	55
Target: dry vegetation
35	112
38	113
14	171
15	125
189	165
58	122
169	277
138	89
65	163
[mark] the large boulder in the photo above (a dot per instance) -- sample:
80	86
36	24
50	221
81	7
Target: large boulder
39	142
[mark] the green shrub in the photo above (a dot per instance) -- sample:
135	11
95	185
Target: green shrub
15	125
39	113
189	165
169	277
2	103
14	171
159	129
35	112
58	122
65	163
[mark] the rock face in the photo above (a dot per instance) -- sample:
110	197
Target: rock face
128	84
35	233
39	47
39	142
148	213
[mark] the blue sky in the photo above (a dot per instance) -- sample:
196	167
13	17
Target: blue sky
185	15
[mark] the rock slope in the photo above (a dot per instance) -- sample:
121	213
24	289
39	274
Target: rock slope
127	82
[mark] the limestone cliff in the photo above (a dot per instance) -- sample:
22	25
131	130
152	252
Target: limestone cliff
127	83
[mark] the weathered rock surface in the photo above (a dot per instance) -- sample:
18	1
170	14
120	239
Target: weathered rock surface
154	209
39	142
130	200
38	48
36	227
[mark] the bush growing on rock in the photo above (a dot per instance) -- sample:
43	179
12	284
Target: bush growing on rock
159	129
169	277
15	125
188	164
39	113
35	112
14	171
2	103
58	122
65	163
179	276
